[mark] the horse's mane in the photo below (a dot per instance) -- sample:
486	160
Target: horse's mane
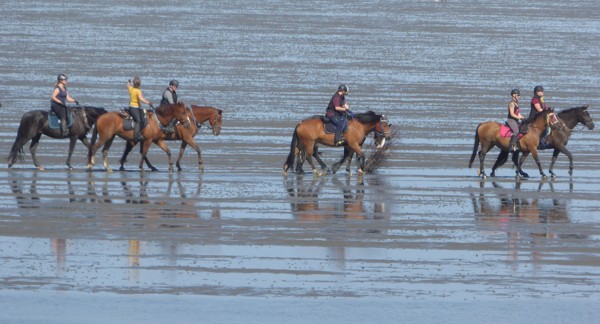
99	110
367	117
572	109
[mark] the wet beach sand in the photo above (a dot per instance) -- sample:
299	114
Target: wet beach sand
423	239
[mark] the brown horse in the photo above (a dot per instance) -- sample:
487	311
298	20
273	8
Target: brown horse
311	132
199	115
488	134
558	137
111	124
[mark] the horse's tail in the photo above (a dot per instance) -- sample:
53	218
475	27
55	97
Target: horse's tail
475	146
16	152
290	159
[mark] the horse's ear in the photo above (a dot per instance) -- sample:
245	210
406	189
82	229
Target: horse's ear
220	111
585	107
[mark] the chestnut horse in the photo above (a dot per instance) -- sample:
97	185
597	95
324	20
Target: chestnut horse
111	124
559	137
311	132
34	124
488	134
199	115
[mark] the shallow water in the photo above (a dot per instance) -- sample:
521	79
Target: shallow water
424	232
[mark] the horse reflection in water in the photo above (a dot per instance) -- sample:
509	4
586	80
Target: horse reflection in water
307	206
508	210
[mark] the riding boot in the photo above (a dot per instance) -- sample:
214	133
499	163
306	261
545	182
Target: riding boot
63	127
136	132
514	143
338	139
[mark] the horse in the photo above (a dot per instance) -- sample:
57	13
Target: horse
488	135
111	124
311	132
35	123
559	137
199	114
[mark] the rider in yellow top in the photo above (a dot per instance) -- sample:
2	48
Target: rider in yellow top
135	97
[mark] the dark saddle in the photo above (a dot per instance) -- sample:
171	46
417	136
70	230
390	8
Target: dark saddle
328	125
128	120
54	121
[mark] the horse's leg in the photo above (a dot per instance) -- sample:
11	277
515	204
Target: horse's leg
534	154
196	148
309	155
164	147
32	148
482	153
321	163
105	149
520	172
128	147
72	142
336	166
557	150
300	158
500	160
180	155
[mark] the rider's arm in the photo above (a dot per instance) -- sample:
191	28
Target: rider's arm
169	96
142	99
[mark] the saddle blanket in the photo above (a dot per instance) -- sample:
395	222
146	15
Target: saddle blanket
505	132
54	121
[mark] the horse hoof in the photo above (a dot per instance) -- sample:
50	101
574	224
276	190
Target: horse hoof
69	167
40	168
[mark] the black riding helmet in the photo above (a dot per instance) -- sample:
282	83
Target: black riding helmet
343	87
61	77
174	83
537	88
515	92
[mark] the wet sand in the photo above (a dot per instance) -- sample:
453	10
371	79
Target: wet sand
424	239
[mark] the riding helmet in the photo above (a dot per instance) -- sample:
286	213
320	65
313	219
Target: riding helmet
343	87
515	92
61	77
174	83
537	88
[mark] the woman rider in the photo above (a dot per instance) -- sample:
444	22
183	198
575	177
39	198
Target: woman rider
336	112
538	104
135	97
58	102
514	118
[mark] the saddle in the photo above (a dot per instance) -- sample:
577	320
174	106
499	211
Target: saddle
505	132
54	121
328	125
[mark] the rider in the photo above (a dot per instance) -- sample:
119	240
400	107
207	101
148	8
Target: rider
170	94
336	112
538	103
58	101
514	118
135	96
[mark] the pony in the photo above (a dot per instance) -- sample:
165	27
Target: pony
199	115
559	137
111	124
311	132
488	135
35	123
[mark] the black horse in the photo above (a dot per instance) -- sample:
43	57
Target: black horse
35	123
559	136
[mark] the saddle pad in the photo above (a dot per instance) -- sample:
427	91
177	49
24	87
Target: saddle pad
330	128
505	132
54	121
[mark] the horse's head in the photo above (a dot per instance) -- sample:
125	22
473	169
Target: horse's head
215	121
180	113
583	116
93	113
383	131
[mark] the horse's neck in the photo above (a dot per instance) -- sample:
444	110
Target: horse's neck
164	115
366	128
570	121
201	116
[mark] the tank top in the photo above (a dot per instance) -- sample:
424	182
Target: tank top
517	110
134	100
62	94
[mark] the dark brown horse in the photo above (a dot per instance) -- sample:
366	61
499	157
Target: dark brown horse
559	137
111	124
310	132
34	124
198	115
488	134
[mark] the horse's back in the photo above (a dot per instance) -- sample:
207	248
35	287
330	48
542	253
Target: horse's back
488	130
